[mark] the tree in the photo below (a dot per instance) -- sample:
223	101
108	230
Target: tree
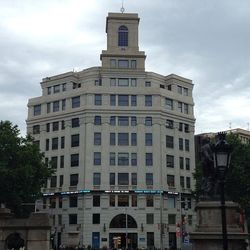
23	170
237	184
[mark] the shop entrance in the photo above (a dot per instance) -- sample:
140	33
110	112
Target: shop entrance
118	240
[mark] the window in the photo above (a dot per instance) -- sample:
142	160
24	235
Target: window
123	82
149	159
112	159
185	91
133	82
62	142
47	145
73	179
123	179
180	126
112	100
186	128
111	179
97	138
73	201
112	82
97	158
75	122
170	180
112	200
148	121
123	36
55	126
170	161
169	124
172	219
180	107
55	106
149	179
148	139
148	100
180	144
123	121
123	139
61	181
54	143
123	159
179	89
123	64
36	129
134	200
185	108
171	202
62	125
74	160
169	104
123	200
187	160
98	120
133	100
149	200
72	219
134	179
49	90
48	107
147	84
47	127
96	219
112	120
96	200
133	64
186	144
112	139
189	203
123	100
112	63
64	87
133	139
150	219
56	88
97	179
75	102
54	162
133	159
133	121
62	161
98	99
53	181
75	140
182	181
188	182
37	110
150	240
181	162
162	86
169	141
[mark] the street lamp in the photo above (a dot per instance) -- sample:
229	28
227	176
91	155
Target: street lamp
222	155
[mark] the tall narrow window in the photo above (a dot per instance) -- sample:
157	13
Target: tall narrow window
123	36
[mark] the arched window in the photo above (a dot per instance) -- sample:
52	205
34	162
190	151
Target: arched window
123	36
119	221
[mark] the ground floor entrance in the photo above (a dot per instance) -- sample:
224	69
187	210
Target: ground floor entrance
118	240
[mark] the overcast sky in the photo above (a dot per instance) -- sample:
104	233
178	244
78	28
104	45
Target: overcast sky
207	41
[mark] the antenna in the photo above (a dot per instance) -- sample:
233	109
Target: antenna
230	125
248	126
122	8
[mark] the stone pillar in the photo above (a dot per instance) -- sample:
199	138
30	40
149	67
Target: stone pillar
208	234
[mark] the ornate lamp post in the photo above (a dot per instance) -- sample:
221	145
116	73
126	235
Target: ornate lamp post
222	155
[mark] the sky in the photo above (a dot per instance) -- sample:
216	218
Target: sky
206	41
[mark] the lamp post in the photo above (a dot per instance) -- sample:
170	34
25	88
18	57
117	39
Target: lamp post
222	155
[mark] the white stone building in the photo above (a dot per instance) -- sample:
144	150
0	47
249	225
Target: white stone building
121	140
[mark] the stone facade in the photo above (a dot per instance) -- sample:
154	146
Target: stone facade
122	142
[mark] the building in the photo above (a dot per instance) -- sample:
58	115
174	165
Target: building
121	140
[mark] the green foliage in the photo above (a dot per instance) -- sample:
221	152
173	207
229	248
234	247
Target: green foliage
22	168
